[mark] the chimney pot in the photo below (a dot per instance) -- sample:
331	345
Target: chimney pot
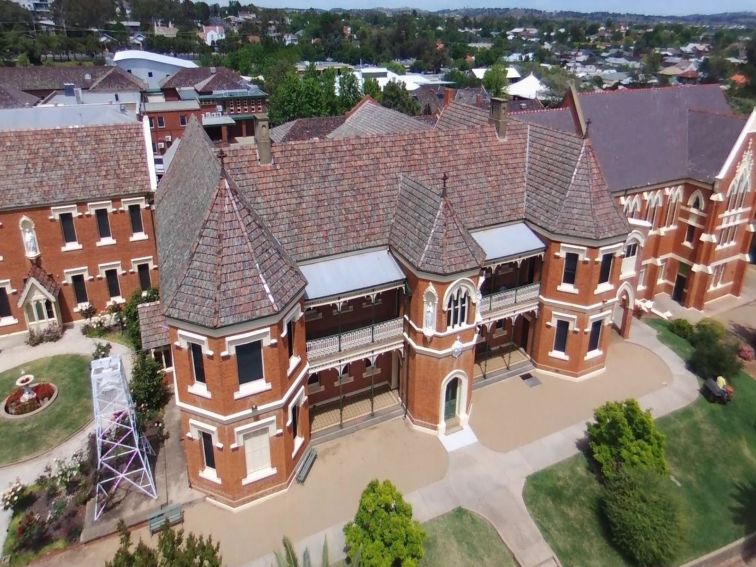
262	139
77	94
499	115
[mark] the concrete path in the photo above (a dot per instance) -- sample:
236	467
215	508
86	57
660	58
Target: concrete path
16	353
491	483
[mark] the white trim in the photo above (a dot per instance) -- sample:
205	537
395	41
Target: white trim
437	353
749	127
242	430
10	320
251	388
127	202
260	335
199	389
259	475
102	268
603	288
92	207
567	288
135	262
559	355
55	212
462	413
186	337
210	474
571	319
581	308
581	251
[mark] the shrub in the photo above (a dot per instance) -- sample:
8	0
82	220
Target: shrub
714	357
101	350
148	390
645	517
130	315
383	532
707	330
49	334
93	330
746	352
30	532
681	328
625	435
88	312
13	496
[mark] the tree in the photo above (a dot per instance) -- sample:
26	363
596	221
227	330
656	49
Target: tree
645	516
349	91
286	102
395	95
83	13
371	88
495	79
130	315
148	390
383	532
173	550
625	435
713	356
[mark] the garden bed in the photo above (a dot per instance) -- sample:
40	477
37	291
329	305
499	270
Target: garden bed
22	438
711	451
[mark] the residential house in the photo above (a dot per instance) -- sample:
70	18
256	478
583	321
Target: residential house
212	34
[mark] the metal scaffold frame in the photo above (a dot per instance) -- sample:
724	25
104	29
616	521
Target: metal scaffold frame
121	450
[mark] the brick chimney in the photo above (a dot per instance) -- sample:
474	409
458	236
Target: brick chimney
499	115
449	96
262	139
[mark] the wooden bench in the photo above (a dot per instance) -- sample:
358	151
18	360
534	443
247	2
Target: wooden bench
168	517
304	468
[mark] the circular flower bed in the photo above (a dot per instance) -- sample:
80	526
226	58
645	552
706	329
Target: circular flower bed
16	406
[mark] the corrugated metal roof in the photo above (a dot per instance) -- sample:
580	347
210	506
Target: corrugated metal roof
506	241
338	276
45	117
171	105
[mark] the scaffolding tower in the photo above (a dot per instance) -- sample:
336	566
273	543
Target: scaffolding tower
121	450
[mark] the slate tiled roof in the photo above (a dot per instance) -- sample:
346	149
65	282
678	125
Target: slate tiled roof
11	97
428	233
152	325
44	279
233	269
460	115
646	137
39	78
205	79
305	128
44	167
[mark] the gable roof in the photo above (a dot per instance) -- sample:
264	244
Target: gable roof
205	79
305	128
664	135
233	270
11	97
43	167
428	233
40	78
39	278
461	115
152	325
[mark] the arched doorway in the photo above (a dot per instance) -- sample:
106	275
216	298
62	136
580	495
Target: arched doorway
451	399
623	310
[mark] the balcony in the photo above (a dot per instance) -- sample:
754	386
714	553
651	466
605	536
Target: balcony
510	301
351	343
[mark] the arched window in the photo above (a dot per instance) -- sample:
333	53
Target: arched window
457	307
632	207
696	201
652	212
740	185
673	207
430	300
29	237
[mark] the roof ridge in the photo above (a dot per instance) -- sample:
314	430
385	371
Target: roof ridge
647	89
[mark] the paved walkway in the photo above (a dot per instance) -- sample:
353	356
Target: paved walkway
491	483
16	353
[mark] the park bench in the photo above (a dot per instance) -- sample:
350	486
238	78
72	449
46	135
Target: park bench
168	517
304	468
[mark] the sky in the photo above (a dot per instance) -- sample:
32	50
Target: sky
652	7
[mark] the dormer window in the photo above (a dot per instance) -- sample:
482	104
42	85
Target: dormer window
29	237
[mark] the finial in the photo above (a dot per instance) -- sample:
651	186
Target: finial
444	179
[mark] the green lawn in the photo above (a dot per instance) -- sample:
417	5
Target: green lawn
712	453
460	537
71	410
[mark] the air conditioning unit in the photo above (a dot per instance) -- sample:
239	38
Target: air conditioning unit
219	107
161	145
169	138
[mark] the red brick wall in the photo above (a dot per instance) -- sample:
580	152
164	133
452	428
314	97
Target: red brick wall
15	265
173	127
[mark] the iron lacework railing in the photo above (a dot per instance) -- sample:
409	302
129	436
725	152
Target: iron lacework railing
509	298
364	336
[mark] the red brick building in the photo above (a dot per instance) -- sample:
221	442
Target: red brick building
75	216
302	281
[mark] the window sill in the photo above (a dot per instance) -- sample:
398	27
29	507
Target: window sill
720	286
627	275
7	321
344	380
688	245
81	306
725	245
210	474
559	355
567	288
298	442
252	388
593	354
259	475
105	242
603	288
71	246
293	363
199	389
372	371
314	389
118	300
138	236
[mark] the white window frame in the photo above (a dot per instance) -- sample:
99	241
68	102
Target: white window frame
195	428
572	325
102	268
262	336
241	432
673	208
68	279
299	399
55	213
91	211
470	292
718	273
606	318
142	202
582	252
294	315
660	278
184	338
11	320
